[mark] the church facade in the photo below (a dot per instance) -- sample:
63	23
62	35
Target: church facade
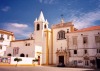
60	44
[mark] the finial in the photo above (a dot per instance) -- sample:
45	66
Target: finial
62	20
36	19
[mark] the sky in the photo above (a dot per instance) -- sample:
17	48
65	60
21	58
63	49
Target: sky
18	16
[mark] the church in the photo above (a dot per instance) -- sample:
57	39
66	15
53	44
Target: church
62	43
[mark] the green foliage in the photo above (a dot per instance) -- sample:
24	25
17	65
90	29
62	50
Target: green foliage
35	60
17	59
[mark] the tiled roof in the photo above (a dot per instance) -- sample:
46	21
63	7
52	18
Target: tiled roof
89	29
6	32
62	25
22	40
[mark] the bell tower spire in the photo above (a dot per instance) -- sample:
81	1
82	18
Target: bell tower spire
41	17
40	23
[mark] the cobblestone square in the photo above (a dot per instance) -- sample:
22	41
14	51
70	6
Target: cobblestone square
43	68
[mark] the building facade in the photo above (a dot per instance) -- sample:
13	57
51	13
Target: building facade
5	38
63	43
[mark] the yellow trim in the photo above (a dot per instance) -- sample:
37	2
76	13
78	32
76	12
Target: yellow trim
17	65
72	28
47	49
51	46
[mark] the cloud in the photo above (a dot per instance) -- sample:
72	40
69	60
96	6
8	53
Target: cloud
81	19
5	9
17	25
86	20
21	31
40	1
48	1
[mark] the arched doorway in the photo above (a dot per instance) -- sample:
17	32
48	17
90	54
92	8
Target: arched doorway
62	57
22	55
9	54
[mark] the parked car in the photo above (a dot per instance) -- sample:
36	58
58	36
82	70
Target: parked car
61	65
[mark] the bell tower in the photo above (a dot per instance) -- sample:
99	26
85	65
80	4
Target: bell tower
42	38
40	23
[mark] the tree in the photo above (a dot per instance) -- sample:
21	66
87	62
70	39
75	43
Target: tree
35	60
17	59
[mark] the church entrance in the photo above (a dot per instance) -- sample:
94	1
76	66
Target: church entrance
61	59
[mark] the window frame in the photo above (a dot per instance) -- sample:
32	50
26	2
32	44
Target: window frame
38	27
74	40
1	47
61	35
75	51
45	26
97	39
85	40
85	51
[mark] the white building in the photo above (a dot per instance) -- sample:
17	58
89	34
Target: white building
60	44
5	38
84	47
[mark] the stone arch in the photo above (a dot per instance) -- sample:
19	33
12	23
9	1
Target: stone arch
45	26
22	55
38	27
9	54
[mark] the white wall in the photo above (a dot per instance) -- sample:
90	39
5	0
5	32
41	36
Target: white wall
30	50
24	60
58	43
5	43
91	46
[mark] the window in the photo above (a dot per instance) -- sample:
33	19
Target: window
1	35
67	30
98	50
61	35
84	40
75	51
45	26
38	27
74	40
27	44
97	39
0	46
7	36
15	50
26	55
1	38
85	51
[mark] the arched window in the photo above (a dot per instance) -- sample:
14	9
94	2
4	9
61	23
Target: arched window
61	35
45	26
22	55
38	26
9	54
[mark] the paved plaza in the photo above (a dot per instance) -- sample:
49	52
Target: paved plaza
42	68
